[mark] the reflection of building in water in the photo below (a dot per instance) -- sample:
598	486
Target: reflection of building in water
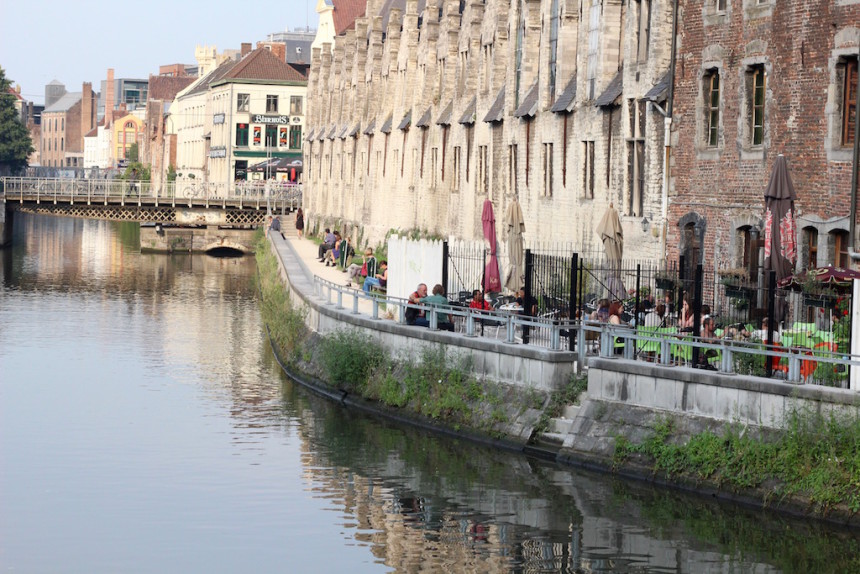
180	293
415	516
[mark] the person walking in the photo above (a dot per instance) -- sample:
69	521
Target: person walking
300	222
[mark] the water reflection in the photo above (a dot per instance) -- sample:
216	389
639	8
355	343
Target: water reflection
417	498
141	408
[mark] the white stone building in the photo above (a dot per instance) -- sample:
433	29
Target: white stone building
242	113
420	112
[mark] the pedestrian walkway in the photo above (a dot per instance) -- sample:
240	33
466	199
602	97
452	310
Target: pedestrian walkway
308	251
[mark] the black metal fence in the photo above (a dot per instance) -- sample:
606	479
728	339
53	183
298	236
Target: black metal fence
560	283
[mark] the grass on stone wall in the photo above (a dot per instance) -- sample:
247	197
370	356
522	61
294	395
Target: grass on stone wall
435	383
817	458
285	321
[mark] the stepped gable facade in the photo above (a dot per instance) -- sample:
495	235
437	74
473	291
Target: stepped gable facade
424	109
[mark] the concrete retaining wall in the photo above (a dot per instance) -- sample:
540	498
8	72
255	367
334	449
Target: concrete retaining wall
521	365
726	398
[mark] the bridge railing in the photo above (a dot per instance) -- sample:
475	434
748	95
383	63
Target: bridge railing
278	196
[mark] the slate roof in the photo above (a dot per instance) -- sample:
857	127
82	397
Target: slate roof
344	131
528	107
386	127
425	119
202	85
406	121
612	91
332	132
497	110
65	103
356	130
371	127
468	116
385	10
445	116
310	136
661	89
567	99
345	14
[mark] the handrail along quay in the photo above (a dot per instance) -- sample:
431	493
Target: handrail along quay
605	340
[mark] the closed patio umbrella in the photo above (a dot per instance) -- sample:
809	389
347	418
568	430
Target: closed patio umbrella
515	226
492	281
780	226
612	236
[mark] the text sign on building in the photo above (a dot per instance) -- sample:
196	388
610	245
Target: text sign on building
218	152
261	119
218	119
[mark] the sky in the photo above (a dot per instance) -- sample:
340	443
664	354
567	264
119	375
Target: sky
76	42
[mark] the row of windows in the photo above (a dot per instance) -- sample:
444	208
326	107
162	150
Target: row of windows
275	136
243	104
49	124
756	89
519	167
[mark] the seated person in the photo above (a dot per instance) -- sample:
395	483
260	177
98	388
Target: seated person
332	256
656	317
328	243
761	334
443	320
602	312
347	252
274	225
615	310
528	303
709	325
378	280
366	269
416	316
478	301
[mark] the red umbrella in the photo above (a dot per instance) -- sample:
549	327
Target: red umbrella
780	226
829	276
492	280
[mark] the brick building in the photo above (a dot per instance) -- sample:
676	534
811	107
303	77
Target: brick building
64	124
431	108
755	79
158	148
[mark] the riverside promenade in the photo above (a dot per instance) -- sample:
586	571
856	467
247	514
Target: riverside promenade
332	307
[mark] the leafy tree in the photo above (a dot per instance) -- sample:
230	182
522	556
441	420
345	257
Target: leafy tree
133	153
171	173
15	143
136	171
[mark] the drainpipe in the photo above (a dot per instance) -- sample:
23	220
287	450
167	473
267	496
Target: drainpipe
854	166
667	137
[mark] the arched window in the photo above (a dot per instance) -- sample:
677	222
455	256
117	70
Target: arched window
62	144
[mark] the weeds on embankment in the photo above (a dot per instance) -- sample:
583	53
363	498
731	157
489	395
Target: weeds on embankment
433	382
286	323
815	458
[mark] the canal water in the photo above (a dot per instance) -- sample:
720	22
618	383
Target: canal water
145	427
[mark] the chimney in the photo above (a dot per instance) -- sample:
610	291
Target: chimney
88	108
246	48
109	98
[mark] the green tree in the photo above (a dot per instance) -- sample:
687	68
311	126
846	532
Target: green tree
133	153
15	143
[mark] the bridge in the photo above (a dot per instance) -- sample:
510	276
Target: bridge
169	208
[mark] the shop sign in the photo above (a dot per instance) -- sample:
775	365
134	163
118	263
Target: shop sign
261	119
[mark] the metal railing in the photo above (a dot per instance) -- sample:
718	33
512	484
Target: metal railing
670	349
278	196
